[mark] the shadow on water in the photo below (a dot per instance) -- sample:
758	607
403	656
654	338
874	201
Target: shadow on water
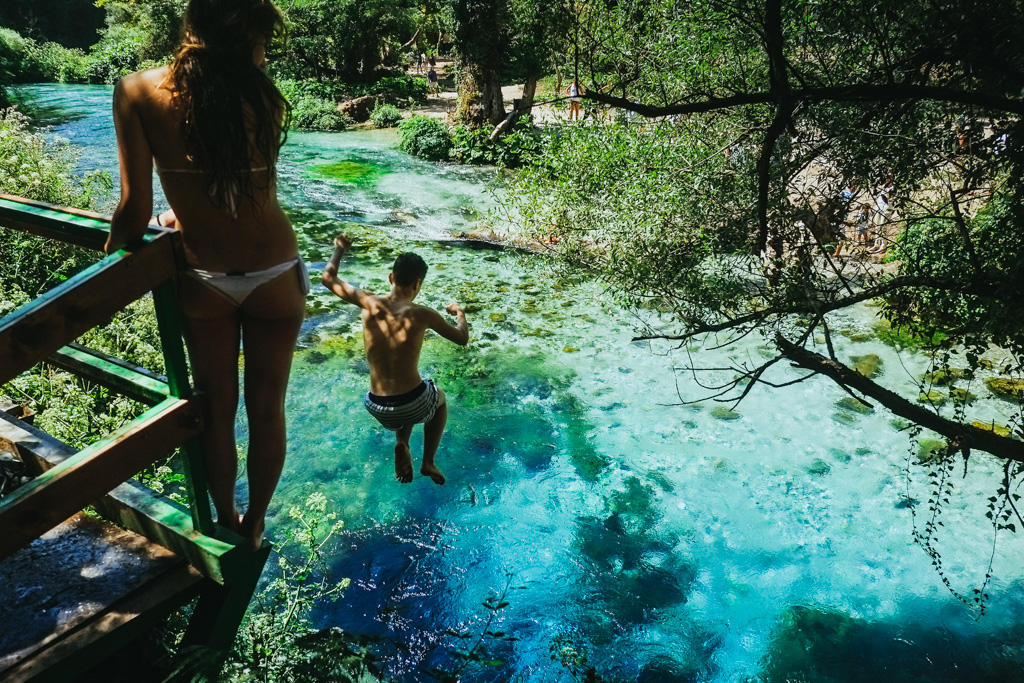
44	110
827	646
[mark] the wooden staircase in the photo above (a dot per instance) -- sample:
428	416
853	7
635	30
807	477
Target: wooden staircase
75	588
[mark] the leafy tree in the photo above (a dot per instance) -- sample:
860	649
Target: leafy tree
71	23
720	203
139	34
499	40
345	39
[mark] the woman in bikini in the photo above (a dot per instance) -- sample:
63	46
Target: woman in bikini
212	122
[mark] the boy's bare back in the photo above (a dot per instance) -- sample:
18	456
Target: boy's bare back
393	328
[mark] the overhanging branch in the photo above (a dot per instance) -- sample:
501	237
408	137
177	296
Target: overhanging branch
861	92
959	434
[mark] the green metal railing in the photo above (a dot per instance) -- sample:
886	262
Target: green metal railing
44	330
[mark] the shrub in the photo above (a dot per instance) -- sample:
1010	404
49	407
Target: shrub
472	146
385	115
425	137
395	88
60	64
117	54
32	167
316	113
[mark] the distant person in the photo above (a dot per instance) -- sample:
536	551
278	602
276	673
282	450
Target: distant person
393	330
419	62
574	91
212	123
432	87
863	225
431	61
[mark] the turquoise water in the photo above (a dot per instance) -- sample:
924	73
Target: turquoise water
666	542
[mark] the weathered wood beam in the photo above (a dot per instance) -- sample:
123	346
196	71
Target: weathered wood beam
127	379
133	506
86	476
61	315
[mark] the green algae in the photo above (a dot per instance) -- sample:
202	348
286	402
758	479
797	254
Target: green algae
1005	387
854	405
999	430
723	413
819	467
844	418
868	365
349	171
932	398
930	450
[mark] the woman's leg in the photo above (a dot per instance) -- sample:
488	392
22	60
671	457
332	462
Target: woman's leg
212	332
271	318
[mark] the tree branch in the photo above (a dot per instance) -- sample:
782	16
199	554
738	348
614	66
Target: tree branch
959	435
859	92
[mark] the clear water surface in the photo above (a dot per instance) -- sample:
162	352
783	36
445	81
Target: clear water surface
663	542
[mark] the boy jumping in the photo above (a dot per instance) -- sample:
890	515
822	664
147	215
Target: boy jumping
393	329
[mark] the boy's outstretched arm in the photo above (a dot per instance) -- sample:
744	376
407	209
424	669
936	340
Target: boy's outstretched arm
330	278
459	332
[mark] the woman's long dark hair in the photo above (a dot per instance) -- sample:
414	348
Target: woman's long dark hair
232	115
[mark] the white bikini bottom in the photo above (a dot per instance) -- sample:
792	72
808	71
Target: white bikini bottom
236	286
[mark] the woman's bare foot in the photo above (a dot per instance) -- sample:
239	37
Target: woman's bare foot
232	522
252	531
403	463
432	472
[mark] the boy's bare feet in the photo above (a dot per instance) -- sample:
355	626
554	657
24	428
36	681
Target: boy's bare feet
403	463
432	472
252	531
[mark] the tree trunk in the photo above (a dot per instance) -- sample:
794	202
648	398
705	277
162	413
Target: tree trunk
520	107
491	102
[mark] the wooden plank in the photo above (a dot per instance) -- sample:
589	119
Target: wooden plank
126	379
74	226
69	657
132	505
82	591
39	328
83	478
68	576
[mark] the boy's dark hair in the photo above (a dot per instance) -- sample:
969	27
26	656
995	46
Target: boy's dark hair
408	268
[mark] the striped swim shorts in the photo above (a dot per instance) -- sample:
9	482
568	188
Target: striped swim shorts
412	407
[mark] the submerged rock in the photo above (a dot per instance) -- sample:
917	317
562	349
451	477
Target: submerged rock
723	413
497	317
961	395
930	450
947	376
819	467
840	455
844	418
932	398
993	427
869	365
855	405
1005	387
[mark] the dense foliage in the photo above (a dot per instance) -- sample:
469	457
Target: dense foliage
425	137
68	408
345	39
385	115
